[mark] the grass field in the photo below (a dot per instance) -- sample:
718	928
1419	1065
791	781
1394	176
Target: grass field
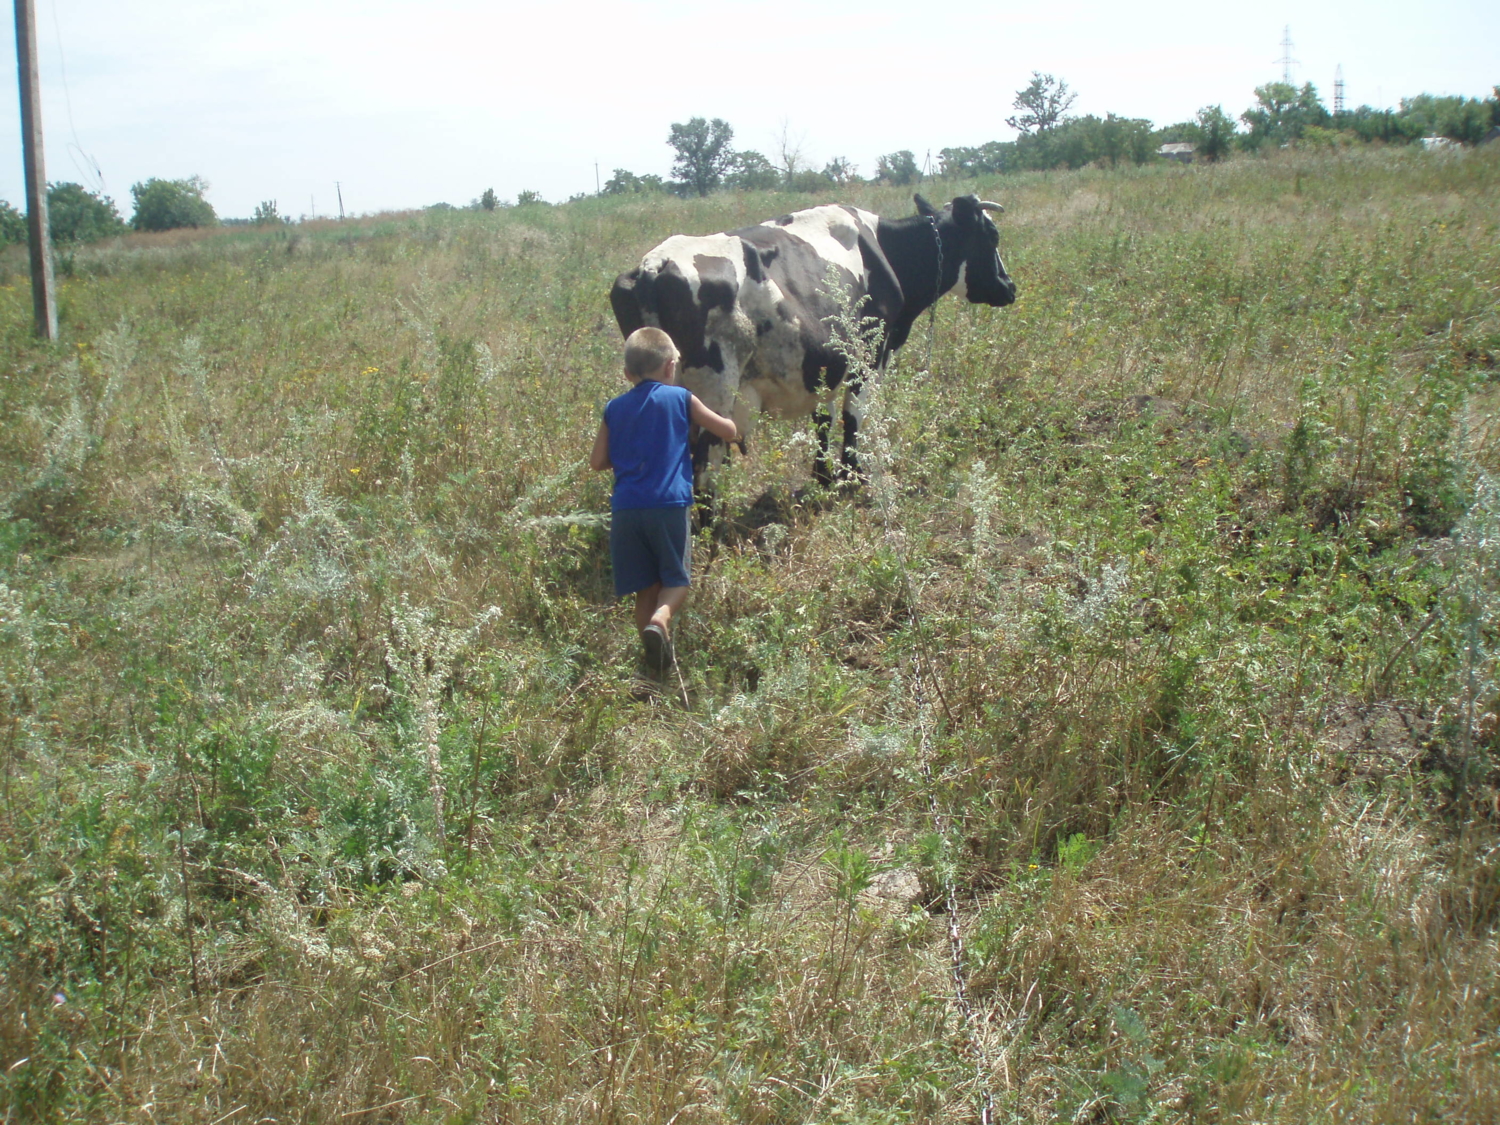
1162	642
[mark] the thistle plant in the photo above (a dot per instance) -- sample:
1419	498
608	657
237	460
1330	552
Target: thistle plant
860	340
421	652
1476	588
1102	600
20	674
74	435
983	490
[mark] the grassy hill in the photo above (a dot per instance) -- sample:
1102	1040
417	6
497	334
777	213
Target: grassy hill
1156	664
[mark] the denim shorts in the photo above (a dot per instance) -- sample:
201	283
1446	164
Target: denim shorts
650	545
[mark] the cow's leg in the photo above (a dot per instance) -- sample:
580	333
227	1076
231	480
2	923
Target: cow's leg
822	424
722	393
855	404
822	430
708	455
746	408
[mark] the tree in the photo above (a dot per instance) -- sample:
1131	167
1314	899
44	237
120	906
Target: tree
789	155
841	171
703	152
751	171
621	182
986	159
76	214
1180	132
628	183
526	198
488	200
1466	120
1370	124
267	214
898	168
169	204
1043	103
1081	141
12	225
1216	133
808	181
1281	114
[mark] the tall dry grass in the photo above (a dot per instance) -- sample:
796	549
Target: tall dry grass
331	792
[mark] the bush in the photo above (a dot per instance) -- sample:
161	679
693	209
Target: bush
12	225
169	204
751	171
898	168
1466	120
626	182
1081	141
268	215
75	214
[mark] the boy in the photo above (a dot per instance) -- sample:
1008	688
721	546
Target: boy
644	439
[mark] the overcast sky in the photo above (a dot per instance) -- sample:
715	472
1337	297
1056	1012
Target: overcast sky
408	103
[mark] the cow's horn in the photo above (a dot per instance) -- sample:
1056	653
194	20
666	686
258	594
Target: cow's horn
986	205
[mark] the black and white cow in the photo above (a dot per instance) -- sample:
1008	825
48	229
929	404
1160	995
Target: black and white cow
748	309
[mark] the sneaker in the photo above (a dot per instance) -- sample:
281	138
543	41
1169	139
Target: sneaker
659	655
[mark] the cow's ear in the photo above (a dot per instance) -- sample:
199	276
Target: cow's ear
923	207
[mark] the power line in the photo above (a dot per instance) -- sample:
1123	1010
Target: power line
1338	91
93	174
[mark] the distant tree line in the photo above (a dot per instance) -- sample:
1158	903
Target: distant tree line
1282	115
707	161
76	215
1049	137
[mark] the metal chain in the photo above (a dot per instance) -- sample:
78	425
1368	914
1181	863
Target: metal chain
937	291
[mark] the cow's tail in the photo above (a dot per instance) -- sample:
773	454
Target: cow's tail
634	300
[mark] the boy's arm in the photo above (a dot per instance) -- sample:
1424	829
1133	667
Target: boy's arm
599	456
716	424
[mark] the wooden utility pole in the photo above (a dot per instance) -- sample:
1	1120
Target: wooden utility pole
43	296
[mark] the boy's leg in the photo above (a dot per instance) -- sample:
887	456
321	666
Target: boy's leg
656	637
672	545
656	604
669	600
645	606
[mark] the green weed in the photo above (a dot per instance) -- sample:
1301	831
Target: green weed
329	788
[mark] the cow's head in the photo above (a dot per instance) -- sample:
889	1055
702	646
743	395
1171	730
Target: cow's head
971	250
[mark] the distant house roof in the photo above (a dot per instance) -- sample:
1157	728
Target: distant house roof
1177	148
1492	135
1432	144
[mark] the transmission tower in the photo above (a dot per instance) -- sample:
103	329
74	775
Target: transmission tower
1338	92
1286	60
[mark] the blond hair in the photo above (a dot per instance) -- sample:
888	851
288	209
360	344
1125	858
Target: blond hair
647	351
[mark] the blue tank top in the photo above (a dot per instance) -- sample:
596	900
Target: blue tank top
648	446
